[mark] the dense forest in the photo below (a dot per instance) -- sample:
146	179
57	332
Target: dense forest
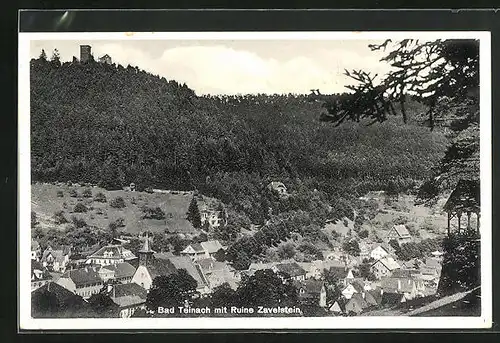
111	125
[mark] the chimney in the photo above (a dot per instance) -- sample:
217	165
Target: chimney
381	291
399	284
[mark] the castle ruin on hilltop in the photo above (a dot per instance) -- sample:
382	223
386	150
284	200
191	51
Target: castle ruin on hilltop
86	55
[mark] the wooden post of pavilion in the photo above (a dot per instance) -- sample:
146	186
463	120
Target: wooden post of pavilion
449	219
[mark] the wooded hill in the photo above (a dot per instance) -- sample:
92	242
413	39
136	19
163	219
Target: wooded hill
112	125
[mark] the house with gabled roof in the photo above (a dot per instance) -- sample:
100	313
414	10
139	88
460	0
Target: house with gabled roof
70	304
392	299
384	267
356	304
36	250
39	275
193	269
119	272
129	297
379	252
351	289
56	259
311	292
111	254
83	281
338	307
150	267
373	297
218	273
202	250
400	234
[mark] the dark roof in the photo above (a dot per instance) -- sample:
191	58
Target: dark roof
311	287
83	276
129	289
391	299
197	247
160	267
404	273
71	302
373	297
44	275
163	255
465	197
210	264
358	298
340	272
122	269
358	285
292	269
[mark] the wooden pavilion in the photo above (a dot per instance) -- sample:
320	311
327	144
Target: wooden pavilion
465	199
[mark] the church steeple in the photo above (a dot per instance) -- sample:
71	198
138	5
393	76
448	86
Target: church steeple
145	254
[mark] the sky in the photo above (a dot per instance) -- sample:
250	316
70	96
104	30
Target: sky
237	66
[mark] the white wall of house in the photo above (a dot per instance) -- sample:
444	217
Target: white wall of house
67	283
142	277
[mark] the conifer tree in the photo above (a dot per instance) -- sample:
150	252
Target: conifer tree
43	55
193	214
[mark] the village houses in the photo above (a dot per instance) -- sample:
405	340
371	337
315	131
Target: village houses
202	250
36	250
384	267
120	272
83	282
56	259
311	292
39	275
129	297
400	234
110	254
291	269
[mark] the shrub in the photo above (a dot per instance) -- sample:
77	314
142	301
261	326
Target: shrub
87	193
60	194
34	219
73	193
153	213
80	208
120	222
78	222
310	249
59	218
100	197
363	234
286	251
401	220
117	202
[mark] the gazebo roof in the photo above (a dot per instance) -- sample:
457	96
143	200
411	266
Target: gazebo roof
464	198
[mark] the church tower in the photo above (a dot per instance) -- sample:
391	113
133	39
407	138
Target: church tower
145	254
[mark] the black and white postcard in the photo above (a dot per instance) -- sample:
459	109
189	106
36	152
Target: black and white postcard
255	180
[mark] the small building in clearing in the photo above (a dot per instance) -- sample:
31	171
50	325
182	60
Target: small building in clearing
400	234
